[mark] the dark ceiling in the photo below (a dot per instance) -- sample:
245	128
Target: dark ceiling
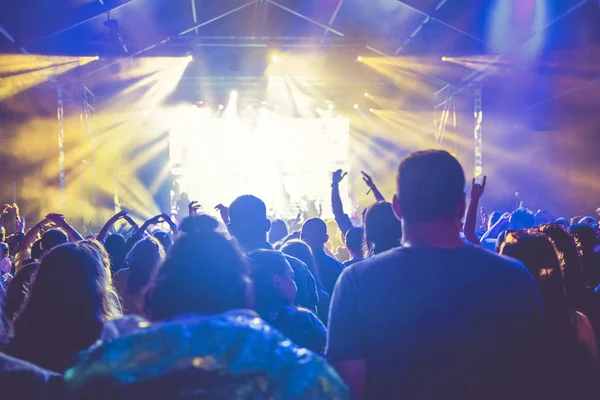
424	28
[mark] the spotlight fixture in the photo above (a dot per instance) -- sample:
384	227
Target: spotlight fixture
189	57
359	58
355	106
234	93
366	94
276	59
330	106
221	106
371	110
444	59
96	58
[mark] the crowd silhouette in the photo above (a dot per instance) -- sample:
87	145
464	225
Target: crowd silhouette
410	302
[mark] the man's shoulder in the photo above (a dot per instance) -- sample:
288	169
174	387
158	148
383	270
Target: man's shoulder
295	263
410	256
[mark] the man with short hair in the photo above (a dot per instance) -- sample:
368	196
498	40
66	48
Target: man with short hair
355	238
248	223
436	318
314	234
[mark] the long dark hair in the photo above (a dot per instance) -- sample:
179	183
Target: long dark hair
383	231
68	303
204	272
143	261
297	248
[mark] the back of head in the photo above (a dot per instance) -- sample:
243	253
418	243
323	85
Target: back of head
355	238
53	238
36	250
248	219
383	231
4	250
314	233
279	230
165	239
264	265
568	257
430	187
522	218
538	254
143	262
116	247
204	272
70	295
300	250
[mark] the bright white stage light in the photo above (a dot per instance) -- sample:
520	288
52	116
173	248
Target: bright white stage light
355	106
234	93
330	106
221	106
276	59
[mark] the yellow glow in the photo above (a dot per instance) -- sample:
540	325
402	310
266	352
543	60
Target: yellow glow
21	71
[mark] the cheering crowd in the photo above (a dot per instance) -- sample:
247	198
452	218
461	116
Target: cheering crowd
408	301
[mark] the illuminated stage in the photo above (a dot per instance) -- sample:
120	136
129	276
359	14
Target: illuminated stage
216	155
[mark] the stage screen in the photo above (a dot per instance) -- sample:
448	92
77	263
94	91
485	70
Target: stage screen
283	160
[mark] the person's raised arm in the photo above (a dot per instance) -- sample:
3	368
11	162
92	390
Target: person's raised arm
60	221
341	218
500	226
372	187
25	244
170	222
471	217
224	211
113	220
137	236
193	208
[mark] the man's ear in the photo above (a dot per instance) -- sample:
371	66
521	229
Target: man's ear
267	225
397	207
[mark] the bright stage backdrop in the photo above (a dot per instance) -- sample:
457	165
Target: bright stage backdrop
286	161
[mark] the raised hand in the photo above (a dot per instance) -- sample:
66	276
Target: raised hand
478	189
338	176
224	211
193	208
157	219
57	219
368	180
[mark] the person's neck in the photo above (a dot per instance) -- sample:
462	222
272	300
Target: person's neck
440	234
253	242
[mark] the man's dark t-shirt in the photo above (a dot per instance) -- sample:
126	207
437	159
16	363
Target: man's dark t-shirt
329	269
438	324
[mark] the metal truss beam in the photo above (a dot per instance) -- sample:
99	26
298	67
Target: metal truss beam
44	38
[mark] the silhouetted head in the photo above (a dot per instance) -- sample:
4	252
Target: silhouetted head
521	218
273	278
564	222
542	217
300	250
383	231
53	238
165	239
143	261
538	254
568	257
355	238
116	247
314	233
430	188
279	230
248	221
204	272
69	301
36	250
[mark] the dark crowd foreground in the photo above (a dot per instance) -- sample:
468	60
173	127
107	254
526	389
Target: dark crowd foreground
402	301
